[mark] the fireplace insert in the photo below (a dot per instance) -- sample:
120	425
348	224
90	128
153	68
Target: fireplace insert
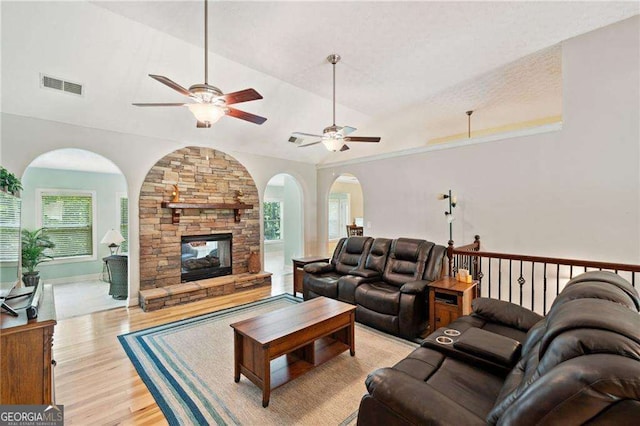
205	256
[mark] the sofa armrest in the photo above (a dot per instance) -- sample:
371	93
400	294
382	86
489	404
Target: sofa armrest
414	287
319	268
417	401
505	313
494	347
365	273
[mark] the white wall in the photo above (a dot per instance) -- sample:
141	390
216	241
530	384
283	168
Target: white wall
25	138
570	193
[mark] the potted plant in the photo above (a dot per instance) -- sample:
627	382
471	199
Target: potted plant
34	244
9	182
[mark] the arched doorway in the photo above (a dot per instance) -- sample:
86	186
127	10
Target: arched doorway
80	197
283	223
345	207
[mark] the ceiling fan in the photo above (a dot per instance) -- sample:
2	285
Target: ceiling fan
334	137
209	102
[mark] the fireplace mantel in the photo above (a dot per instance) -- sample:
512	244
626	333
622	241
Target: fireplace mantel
176	208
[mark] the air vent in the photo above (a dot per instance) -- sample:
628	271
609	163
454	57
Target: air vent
54	83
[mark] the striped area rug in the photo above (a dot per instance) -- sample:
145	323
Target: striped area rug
188	367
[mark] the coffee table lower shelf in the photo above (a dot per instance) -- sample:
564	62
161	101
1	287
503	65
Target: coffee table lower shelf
287	367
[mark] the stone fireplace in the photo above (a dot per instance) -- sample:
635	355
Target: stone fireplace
204	177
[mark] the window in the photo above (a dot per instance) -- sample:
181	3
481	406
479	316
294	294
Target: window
9	229
272	212
123	215
69	220
338	215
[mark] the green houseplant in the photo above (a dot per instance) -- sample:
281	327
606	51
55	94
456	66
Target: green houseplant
9	182
34	244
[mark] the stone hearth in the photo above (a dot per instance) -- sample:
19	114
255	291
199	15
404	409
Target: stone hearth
203	175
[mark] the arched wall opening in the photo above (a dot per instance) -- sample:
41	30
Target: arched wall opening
282	212
345	206
78	196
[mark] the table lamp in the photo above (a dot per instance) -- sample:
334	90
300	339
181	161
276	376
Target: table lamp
112	239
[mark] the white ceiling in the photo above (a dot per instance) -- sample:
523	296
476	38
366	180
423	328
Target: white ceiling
409	69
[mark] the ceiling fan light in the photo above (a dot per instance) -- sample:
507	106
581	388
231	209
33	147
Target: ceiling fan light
332	144
206	113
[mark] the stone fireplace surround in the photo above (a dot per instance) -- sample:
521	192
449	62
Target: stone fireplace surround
203	175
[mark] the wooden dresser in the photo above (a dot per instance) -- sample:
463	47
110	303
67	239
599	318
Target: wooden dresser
26	365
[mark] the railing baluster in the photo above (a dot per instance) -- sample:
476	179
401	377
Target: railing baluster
633	279
585	269
544	287
500	279
557	279
489	277
533	281
521	282
510	289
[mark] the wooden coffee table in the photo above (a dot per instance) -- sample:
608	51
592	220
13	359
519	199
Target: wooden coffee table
275	348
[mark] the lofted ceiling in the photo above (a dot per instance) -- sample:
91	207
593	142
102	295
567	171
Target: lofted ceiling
408	73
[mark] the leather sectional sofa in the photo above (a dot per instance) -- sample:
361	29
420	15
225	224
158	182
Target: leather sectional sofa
386	279
578	365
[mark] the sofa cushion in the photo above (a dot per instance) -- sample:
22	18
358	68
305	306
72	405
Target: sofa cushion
377	257
608	278
353	253
505	313
379	297
421	363
406	262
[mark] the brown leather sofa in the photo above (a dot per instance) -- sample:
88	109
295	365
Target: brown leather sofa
387	281
578	365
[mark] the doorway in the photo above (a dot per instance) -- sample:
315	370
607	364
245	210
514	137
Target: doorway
81	199
283	224
345	207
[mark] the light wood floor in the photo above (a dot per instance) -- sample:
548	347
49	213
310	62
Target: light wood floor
94	379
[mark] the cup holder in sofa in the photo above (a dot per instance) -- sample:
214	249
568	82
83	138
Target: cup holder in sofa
444	340
451	332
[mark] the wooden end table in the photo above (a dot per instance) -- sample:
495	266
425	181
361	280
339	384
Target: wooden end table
298	270
448	300
275	348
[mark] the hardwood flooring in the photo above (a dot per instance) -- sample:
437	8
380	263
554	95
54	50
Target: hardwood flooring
94	379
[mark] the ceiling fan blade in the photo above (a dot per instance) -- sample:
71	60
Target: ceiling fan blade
157	105
241	96
344	148
309	144
168	82
348	130
305	135
361	139
242	115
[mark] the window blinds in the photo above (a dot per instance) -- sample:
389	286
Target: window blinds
124	224
68	220
9	228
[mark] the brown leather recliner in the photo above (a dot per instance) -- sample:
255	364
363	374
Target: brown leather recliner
321	279
397	303
579	364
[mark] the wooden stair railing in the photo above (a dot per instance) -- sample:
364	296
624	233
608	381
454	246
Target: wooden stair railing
533	281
